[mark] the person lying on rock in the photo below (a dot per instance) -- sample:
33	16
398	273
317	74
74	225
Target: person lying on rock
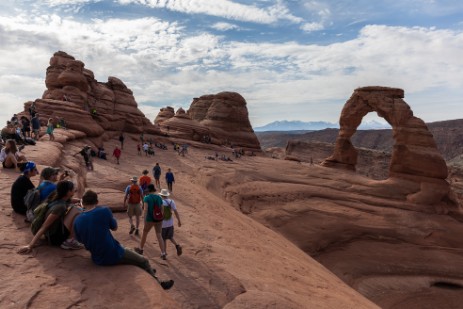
59	219
11	157
93	228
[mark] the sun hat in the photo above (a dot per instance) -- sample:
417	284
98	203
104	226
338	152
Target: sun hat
134	179
164	192
48	172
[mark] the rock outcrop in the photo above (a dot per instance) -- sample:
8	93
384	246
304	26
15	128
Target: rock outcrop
414	156
222	118
86	104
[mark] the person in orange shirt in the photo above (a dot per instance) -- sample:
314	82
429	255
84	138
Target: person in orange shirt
144	181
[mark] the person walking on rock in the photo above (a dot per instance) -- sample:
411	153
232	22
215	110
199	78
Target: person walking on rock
117	154
132	199
121	139
170	179
93	228
168	221
153	205
157	175
35	121
50	129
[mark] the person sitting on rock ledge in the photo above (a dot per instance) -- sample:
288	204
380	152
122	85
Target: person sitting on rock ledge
20	187
59	220
93	228
11	157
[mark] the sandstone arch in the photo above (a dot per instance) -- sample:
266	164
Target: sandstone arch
414	155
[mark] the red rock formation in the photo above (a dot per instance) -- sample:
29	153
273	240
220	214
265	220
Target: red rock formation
72	85
226	116
222	117
414	156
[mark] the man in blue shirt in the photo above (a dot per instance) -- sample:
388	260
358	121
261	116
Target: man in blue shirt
49	177
93	228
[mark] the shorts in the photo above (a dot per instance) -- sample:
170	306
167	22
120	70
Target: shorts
134	209
167	232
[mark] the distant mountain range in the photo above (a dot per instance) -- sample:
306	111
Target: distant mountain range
296	125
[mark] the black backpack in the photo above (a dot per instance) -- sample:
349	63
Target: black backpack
31	201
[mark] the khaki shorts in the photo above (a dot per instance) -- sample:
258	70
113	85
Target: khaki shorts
134	209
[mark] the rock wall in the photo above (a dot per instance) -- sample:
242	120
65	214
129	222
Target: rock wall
223	117
75	88
414	154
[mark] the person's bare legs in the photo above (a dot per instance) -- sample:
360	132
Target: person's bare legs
161	242
146	228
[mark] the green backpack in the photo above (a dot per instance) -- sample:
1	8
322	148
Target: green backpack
39	217
168	211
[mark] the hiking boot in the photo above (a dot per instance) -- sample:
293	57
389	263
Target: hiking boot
71	244
138	250
136	232
179	250
167	284
132	228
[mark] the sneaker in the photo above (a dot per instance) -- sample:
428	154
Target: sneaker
167	284
138	250
179	250
71	244
136	232
132	228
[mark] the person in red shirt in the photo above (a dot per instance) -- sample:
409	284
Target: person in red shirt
117	153
144	181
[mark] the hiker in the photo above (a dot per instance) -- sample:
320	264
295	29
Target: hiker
20	187
50	129
57	226
35	121
170	179
152	200
157	175
117	154
132	199
86	153
121	139
144	181
145	148
11	157
101	153
62	124
168	221
32	111
26	126
139	149
93	228
48	179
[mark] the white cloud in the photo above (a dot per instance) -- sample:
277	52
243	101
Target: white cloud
224	26
309	27
223	8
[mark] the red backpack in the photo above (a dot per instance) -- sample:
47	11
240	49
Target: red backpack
134	194
157	208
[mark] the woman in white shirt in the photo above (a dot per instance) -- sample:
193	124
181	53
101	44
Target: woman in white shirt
11	157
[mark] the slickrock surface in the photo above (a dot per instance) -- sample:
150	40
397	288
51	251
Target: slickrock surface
229	259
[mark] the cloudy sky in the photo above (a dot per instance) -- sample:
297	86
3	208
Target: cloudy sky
290	59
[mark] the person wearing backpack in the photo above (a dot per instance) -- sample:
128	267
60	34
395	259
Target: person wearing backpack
56	227
170	179
153	218
93	228
132	199
144	181
168	221
20	187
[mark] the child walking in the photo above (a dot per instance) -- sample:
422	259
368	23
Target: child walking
168	222
50	128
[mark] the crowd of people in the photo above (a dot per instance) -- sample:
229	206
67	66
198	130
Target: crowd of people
60	219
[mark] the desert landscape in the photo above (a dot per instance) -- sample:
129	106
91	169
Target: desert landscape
269	229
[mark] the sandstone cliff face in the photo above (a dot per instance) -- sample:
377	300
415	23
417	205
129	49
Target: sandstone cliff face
414	155
222	117
75	88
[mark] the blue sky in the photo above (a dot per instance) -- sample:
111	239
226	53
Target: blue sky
290	59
